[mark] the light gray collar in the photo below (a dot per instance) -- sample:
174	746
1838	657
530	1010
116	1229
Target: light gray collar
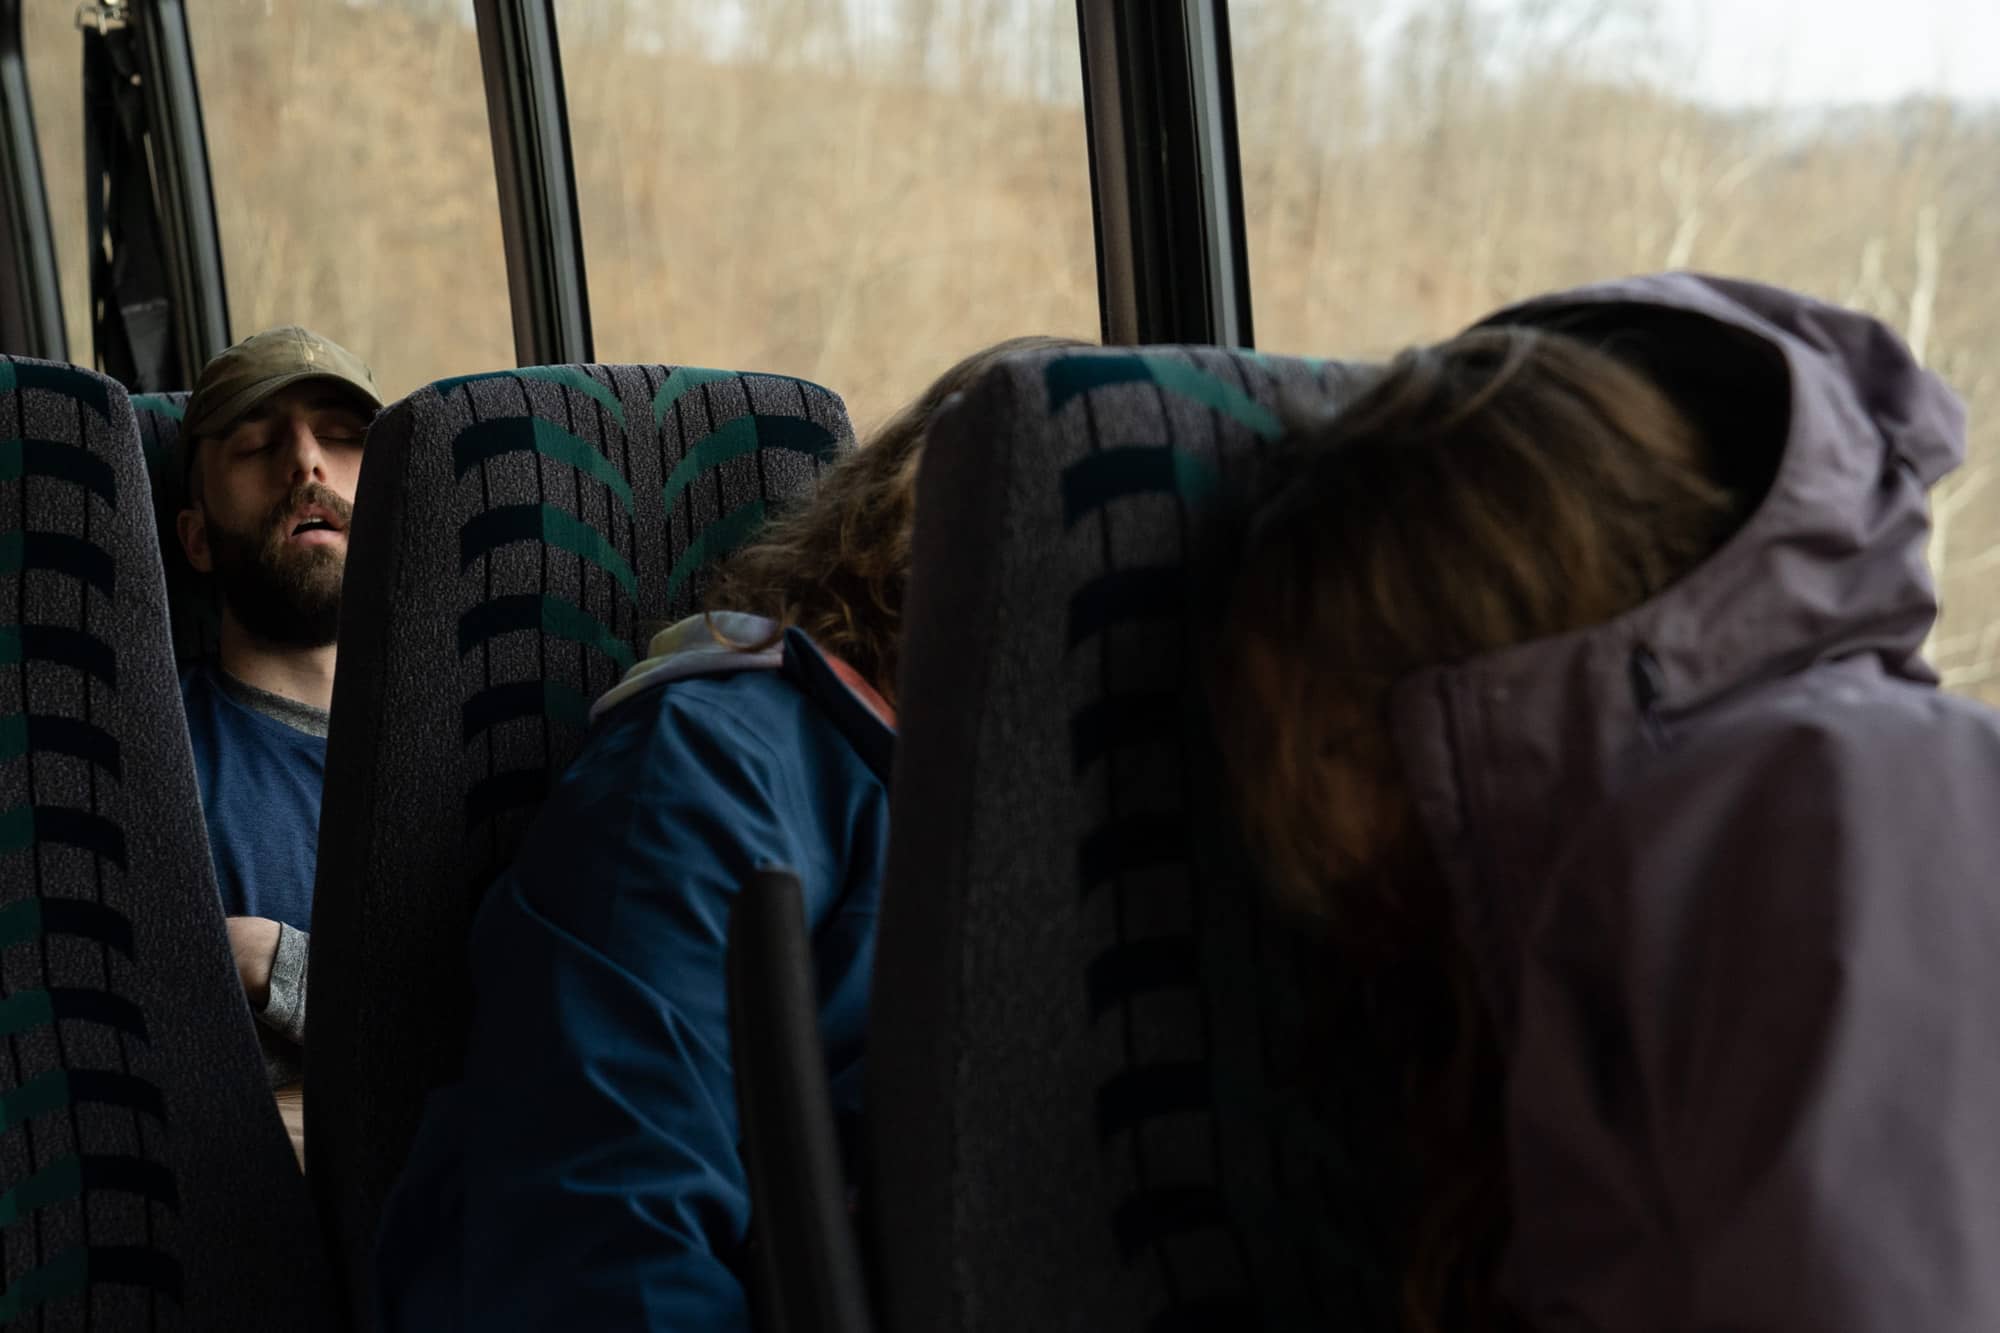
298	716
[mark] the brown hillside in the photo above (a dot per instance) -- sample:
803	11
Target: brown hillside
861	206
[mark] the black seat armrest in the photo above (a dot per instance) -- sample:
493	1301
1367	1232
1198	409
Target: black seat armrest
806	1265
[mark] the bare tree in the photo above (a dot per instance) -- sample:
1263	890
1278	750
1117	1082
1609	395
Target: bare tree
859	190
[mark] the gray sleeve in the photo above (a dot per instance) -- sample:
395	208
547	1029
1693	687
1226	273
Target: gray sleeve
285	1011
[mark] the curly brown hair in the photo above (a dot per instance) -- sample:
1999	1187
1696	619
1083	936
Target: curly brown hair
837	565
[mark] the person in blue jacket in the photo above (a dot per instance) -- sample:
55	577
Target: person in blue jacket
584	1173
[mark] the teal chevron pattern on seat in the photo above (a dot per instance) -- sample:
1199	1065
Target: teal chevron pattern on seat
584	512
571	377
193	607
526	698
1117	972
548	521
488	440
75	1270
682	381
1071	376
58	551
546	524
60	1089
26	1010
65	381
549	616
68	1177
1140	469
1155	468
742	437
20	735
170	405
685	379
61	645
159	416
87	1201
59	460
748	435
536	461
1121	596
31	918
715	541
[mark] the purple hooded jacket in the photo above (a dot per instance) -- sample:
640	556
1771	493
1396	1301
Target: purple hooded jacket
1730	866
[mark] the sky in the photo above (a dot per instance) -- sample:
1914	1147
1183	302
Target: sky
1736	52
1726	52
1793	52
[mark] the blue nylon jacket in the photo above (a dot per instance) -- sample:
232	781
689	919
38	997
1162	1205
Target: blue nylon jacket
585	1171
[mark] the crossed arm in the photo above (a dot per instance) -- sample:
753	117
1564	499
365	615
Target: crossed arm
271	962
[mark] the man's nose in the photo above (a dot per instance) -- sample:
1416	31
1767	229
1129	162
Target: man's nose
308	460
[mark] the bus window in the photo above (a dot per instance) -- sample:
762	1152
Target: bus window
54	52
353	179
1404	176
851	192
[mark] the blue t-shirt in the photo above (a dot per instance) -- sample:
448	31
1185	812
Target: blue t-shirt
260	784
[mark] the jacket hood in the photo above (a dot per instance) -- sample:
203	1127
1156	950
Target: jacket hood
1825	410
723	643
714	643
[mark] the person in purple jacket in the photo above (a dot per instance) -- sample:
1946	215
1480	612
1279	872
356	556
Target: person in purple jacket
1573	681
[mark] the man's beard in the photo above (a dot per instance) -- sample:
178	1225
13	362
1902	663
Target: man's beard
285	597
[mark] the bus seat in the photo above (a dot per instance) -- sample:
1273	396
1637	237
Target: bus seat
1087	1105
192	608
517	538
145	1178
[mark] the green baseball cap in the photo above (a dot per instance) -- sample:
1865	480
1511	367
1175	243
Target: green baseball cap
237	380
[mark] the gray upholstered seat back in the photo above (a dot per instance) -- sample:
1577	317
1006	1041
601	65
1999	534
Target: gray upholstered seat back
145	1178
1086	1110
193	612
516	539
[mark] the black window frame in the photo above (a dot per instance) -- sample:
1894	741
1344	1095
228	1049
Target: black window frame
1160	118
31	312
534	170
186	192
1166	175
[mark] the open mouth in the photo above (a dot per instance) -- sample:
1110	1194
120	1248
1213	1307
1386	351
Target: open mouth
315	525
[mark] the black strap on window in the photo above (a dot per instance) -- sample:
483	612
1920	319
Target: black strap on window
131	304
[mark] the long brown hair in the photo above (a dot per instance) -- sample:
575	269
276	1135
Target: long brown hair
1507	485
837	565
